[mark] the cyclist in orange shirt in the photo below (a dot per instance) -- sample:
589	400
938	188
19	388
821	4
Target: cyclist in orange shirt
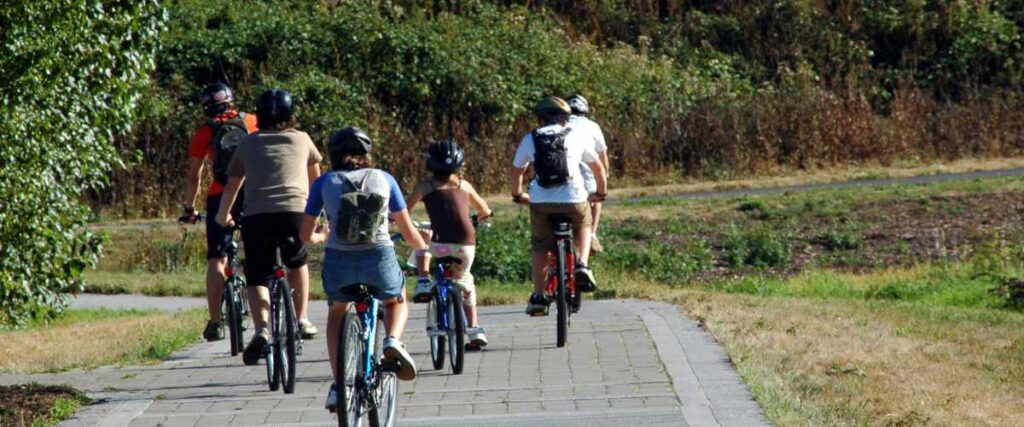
215	140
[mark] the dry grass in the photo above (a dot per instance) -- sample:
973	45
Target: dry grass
139	337
842	362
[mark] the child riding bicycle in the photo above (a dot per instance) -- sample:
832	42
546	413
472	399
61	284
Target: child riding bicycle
447	198
556	152
358	200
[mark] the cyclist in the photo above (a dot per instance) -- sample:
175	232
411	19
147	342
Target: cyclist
277	164
358	199
448	198
580	121
556	152
213	140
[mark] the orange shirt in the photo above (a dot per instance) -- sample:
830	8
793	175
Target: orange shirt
202	143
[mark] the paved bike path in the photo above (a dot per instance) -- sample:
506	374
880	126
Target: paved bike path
626	363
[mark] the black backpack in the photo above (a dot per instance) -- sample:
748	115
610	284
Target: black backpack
551	168
226	137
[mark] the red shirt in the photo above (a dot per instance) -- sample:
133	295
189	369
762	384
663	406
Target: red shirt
202	142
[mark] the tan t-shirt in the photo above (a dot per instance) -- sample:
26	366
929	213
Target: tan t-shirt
275	165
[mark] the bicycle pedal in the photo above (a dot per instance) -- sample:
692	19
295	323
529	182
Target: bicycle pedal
437	333
473	347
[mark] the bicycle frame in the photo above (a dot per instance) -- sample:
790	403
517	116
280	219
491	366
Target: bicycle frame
443	279
570	267
368	312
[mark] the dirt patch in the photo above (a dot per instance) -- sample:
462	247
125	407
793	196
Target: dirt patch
21	404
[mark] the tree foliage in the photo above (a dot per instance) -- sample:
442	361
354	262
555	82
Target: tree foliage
70	74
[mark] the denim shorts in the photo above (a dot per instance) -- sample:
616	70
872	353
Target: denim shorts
377	268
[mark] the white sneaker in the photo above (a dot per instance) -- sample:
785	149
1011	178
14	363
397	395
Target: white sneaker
307	329
332	400
395	351
423	290
477	337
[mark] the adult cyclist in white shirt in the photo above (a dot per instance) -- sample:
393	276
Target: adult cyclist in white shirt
556	152
580	121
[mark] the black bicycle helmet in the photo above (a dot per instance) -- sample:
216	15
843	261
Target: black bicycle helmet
579	105
445	156
551	108
273	106
349	141
216	98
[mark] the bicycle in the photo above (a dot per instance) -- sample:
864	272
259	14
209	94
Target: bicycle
367	386
234	300
561	285
446	318
285	341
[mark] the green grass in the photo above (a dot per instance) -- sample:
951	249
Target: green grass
39	405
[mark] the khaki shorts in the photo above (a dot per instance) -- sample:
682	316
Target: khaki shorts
542	237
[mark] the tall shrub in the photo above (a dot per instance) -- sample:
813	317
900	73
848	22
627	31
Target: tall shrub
70	74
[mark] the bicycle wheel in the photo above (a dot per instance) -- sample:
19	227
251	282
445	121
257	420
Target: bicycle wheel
456	331
386	392
273	367
562	294
288	335
349	370
234	315
434	322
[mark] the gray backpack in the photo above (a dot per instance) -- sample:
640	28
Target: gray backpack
361	212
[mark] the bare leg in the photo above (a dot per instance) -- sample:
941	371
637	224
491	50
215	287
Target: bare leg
395	315
259	305
423	263
539	265
335	315
299	279
595	211
215	286
471	315
582	241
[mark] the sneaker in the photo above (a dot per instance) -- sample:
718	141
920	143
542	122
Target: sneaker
477	337
257	347
332	399
538	305
595	245
584	279
423	290
214	331
306	329
395	351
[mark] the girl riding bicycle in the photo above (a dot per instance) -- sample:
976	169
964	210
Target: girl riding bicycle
448	198
358	199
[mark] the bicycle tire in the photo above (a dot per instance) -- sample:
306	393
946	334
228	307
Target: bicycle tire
273	367
290	335
386	392
234	316
457	331
349	369
561	295
437	341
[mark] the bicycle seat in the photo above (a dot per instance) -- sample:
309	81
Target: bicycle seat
357	290
449	260
561	224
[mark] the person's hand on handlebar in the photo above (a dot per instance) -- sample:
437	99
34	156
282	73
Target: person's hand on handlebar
320	233
521	199
189	215
225	219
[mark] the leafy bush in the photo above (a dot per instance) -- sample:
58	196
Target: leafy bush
503	251
69	81
758	247
654	260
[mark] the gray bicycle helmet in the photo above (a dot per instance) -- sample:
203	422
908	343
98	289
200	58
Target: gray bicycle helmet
216	98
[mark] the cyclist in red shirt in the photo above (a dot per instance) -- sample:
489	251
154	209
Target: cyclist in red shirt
221	116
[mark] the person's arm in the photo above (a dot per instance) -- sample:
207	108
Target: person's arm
314	172
409	231
479	204
310	231
604	162
417	195
602	182
192	178
515	185
227	200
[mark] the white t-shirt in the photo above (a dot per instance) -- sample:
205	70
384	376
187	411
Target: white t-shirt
593	134
578	151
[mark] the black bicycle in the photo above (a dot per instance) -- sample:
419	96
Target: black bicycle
285	341
367	386
561	285
235	302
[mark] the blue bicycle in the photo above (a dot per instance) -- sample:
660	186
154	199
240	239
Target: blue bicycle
446	318
367	386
